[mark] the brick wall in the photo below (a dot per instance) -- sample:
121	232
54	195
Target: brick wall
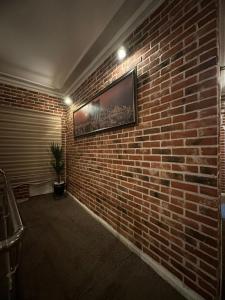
222	144
27	99
156	183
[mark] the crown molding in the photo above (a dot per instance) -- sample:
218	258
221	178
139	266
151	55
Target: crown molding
144	11
28	85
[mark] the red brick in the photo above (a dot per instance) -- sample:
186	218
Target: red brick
163	170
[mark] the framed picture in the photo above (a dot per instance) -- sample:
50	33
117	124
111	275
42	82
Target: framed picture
115	106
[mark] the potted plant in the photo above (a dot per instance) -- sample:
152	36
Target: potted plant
58	165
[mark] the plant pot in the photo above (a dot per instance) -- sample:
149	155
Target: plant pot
59	188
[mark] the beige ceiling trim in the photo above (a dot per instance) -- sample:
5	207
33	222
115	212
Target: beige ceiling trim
134	21
22	83
125	30
148	7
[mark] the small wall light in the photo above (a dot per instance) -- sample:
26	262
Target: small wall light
67	100
121	53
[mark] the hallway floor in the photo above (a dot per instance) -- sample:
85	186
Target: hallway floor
68	255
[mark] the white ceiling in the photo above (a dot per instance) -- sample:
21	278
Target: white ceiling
48	44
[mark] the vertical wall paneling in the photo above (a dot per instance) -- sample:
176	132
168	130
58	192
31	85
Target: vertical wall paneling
25	137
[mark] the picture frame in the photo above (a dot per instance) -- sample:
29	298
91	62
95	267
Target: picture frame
113	107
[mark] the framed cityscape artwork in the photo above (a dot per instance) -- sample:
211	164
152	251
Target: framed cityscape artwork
115	106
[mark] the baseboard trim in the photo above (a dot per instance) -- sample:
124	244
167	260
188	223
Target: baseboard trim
160	270
22	200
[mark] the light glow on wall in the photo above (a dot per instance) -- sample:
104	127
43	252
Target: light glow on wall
121	53
67	100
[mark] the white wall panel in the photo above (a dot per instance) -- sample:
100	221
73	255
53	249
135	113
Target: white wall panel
25	138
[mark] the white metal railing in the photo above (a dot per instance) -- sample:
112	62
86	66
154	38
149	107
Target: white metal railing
11	229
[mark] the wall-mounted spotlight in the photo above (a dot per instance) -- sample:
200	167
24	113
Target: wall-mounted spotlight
67	100
121	53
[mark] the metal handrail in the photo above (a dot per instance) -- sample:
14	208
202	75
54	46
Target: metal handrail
13	212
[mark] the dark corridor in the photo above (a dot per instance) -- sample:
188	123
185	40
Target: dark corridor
67	255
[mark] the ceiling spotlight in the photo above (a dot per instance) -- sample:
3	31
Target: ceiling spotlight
68	100
121	53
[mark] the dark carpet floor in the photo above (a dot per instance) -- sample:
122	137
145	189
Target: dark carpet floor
68	255
223	253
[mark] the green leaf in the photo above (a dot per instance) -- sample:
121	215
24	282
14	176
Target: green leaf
57	162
